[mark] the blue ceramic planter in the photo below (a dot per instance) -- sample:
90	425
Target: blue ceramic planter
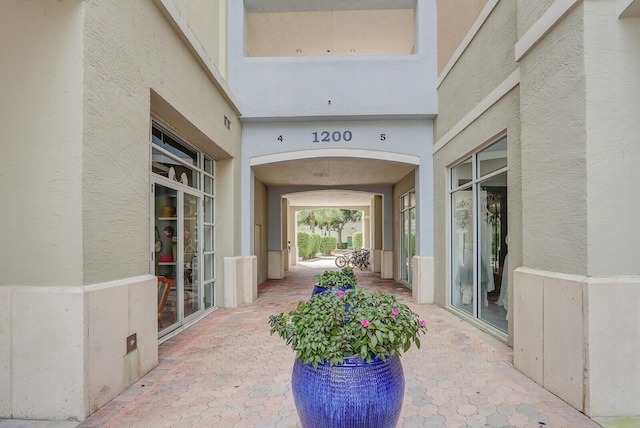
353	395
335	290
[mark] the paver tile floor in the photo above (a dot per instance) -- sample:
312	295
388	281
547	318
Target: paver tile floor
228	371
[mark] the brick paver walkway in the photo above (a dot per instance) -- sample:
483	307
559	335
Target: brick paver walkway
227	371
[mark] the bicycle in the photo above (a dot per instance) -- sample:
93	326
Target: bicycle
358	258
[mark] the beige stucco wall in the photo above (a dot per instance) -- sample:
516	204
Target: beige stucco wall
575	331
486	62
87	78
208	20
125	59
554	169
529	12
40	166
612	139
260	212
455	18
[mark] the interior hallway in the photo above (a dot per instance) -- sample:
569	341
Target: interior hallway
227	371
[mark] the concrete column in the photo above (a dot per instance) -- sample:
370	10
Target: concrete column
276	265
423	284
386	264
240	280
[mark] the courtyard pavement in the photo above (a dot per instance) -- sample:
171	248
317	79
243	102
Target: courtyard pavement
228	371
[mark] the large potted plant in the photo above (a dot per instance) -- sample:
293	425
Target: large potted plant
347	371
335	281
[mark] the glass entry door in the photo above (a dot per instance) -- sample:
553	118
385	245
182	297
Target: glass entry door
407	235
176	255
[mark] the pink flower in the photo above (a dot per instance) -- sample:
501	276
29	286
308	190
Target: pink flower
422	323
394	312
340	293
364	323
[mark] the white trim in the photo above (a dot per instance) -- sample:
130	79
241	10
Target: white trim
549	19
500	91
335	153
467	40
172	13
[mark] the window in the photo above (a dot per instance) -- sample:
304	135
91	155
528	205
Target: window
478	195
407	234
183	213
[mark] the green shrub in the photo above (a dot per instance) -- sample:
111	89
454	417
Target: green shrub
357	240
304	240
327	244
331	278
314	244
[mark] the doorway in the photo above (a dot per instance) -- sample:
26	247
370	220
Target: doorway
407	235
176	255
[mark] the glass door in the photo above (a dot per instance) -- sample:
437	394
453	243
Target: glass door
166	255
189	238
407	235
176	255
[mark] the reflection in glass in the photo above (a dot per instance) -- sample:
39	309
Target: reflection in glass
170	144
493	252
461	174
462	243
165	254
493	158
190	258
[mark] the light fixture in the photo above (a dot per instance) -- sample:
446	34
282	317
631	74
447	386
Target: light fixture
299	51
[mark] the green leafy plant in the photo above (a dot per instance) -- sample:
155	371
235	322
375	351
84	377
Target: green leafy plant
357	240
327	244
343	278
331	326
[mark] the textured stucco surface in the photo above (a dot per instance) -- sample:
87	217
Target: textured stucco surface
484	65
41	161
554	174
455	18
529	12
125	59
207	19
486	62
613	139
88	76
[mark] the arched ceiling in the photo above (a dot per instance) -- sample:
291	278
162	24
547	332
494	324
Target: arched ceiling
334	173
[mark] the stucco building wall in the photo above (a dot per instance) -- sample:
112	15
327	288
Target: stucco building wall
89	76
541	74
468	122
553	150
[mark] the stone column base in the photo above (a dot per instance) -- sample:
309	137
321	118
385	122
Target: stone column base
422	283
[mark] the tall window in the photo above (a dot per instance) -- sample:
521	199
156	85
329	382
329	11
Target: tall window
479	235
407	234
183	207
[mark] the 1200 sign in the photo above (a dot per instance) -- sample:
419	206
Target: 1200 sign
332	136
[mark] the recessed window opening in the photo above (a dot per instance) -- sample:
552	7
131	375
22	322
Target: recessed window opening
331	33
183	229
479	256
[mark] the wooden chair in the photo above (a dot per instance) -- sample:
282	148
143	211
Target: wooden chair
164	287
